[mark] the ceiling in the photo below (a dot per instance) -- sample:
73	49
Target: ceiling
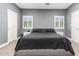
43	5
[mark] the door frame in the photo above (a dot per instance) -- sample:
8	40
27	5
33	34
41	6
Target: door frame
7	23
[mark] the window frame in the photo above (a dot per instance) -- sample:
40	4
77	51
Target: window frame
55	20
27	20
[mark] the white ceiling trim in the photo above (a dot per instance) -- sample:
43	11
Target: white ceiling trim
43	5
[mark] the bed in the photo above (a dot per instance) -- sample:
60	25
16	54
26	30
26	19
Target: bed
44	42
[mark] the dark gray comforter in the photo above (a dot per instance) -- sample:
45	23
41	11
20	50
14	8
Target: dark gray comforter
44	41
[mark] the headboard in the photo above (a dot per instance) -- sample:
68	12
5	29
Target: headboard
44	30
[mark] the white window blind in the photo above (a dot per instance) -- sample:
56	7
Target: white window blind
59	22
27	22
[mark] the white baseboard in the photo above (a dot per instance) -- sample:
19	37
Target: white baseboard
4	44
77	41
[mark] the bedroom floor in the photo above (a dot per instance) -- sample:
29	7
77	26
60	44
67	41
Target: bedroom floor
8	50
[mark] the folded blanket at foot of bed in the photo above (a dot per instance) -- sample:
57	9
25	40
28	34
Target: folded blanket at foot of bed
43	52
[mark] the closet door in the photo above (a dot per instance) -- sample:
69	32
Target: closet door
12	25
75	26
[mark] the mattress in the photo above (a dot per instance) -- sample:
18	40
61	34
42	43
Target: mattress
39	41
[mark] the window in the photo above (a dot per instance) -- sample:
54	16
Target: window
59	22
27	22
